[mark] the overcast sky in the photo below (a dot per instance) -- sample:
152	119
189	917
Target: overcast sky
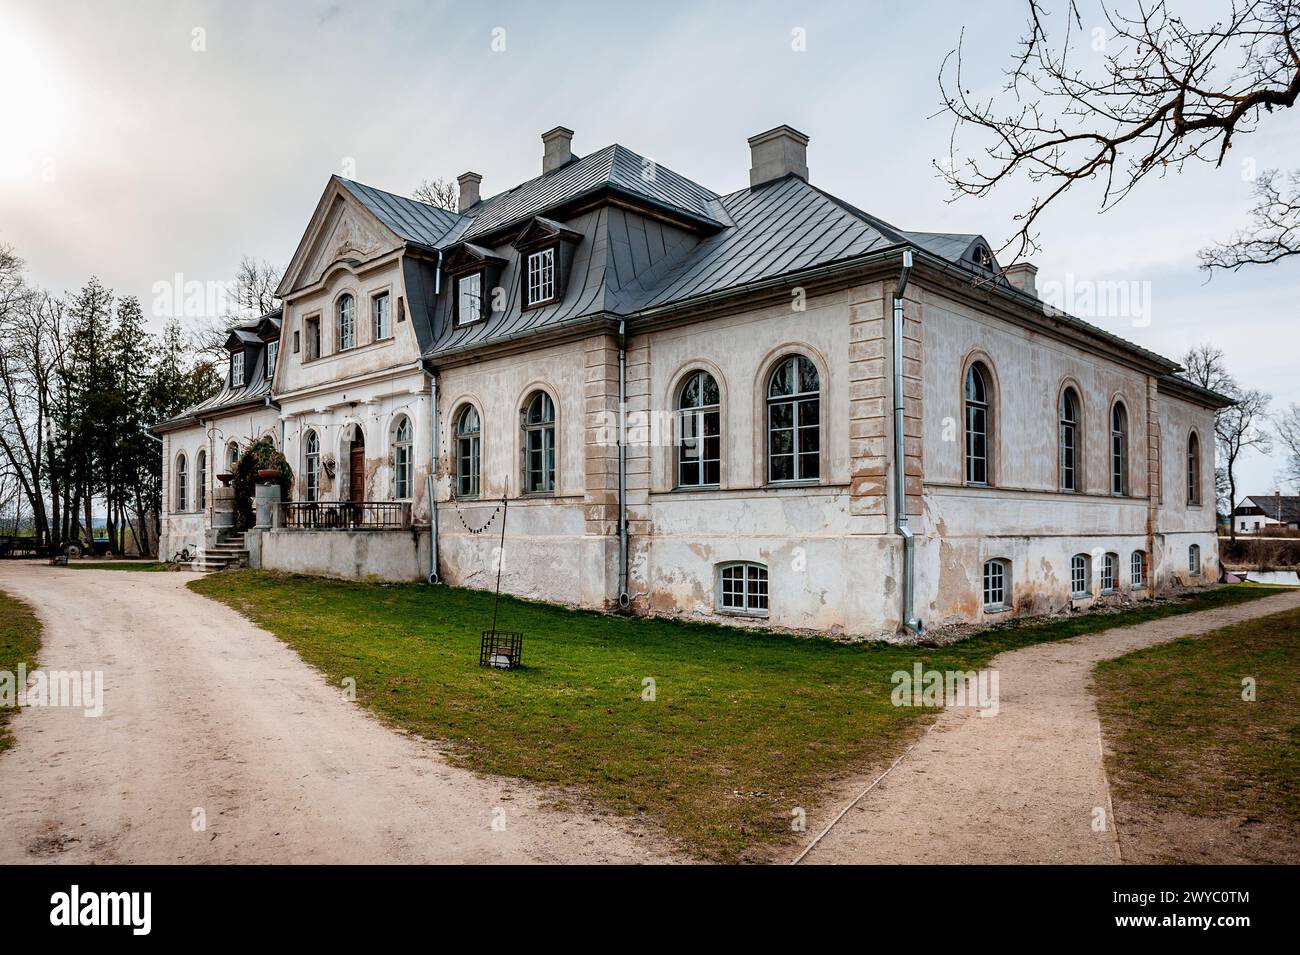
141	140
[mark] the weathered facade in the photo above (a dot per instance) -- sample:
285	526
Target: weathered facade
689	402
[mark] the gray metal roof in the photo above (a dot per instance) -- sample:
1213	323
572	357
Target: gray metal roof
257	385
410	219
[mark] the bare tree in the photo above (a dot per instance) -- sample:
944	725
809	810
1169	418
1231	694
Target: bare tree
442	193
1274	230
252	295
1160	91
1288	431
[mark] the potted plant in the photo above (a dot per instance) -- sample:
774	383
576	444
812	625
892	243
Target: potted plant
260	463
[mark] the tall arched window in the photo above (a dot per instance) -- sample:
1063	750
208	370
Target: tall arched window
978	403
468	448
312	449
1119	449
182	478
346	310
232	456
201	480
1069	426
402	459
1194	469
539	444
794	421
699	432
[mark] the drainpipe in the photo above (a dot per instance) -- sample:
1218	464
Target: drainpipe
624	599
428	481
910	620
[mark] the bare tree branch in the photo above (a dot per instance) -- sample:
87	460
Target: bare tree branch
1274	230
442	193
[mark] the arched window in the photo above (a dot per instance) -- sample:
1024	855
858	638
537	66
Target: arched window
1119	449
201	480
232	456
402	459
1194	469
1069	427
182	477
1080	575
997	578
977	424
1137	569
1109	570
539	444
1194	560
468	447
742	588
347	322
794	421
699	432
312	449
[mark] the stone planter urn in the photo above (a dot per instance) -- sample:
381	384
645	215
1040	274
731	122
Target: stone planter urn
225	479
268	474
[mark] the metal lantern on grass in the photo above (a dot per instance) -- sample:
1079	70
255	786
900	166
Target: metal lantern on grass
500	648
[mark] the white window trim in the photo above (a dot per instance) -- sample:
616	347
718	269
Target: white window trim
539	277
460	300
1075	592
747	566
1002	605
237	369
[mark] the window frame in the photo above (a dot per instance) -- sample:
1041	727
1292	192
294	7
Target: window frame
755	589
1002	566
1080	569
237	368
1193	469
311	467
403	459
1194	566
1137	570
473	480
798	400
549	253
377	299
1120	444
548	430
978	366
1109	572
201	479
342	343
182	481
700	414
272	357
311	325
1073	428
458	318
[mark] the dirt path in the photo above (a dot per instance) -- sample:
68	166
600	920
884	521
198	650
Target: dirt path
204	711
1021	786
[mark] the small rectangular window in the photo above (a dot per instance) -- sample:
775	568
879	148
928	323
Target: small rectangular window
742	588
469	298
379	310
237	370
995	585
541	277
297	341
313	338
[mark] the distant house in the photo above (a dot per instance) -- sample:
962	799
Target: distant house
1262	513
765	407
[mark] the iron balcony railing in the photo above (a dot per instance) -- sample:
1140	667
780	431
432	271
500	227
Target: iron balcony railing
346	515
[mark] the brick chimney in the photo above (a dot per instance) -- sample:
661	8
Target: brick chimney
468	182
777	153
1024	276
557	148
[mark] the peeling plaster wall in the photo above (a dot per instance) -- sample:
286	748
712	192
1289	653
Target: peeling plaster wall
386	555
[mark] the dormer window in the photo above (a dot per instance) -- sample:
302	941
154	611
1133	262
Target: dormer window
237	369
272	352
540	286
469	298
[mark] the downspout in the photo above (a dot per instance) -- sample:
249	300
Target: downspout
909	618
429	482
624	599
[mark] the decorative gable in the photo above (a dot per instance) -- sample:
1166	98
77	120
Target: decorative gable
342	230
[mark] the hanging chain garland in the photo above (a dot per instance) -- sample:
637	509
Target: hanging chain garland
461	517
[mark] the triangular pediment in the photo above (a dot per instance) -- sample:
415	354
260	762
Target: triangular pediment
541	230
342	230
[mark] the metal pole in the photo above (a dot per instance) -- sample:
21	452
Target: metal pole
501	559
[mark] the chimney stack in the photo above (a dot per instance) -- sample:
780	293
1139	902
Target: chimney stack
468	182
777	153
1024	276
557	148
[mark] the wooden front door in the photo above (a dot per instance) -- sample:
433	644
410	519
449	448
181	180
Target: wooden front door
357	469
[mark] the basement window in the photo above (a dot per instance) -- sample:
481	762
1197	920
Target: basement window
742	589
1080	575
996	575
1108	566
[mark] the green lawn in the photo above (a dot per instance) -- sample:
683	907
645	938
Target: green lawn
745	726
20	639
1183	741
145	565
